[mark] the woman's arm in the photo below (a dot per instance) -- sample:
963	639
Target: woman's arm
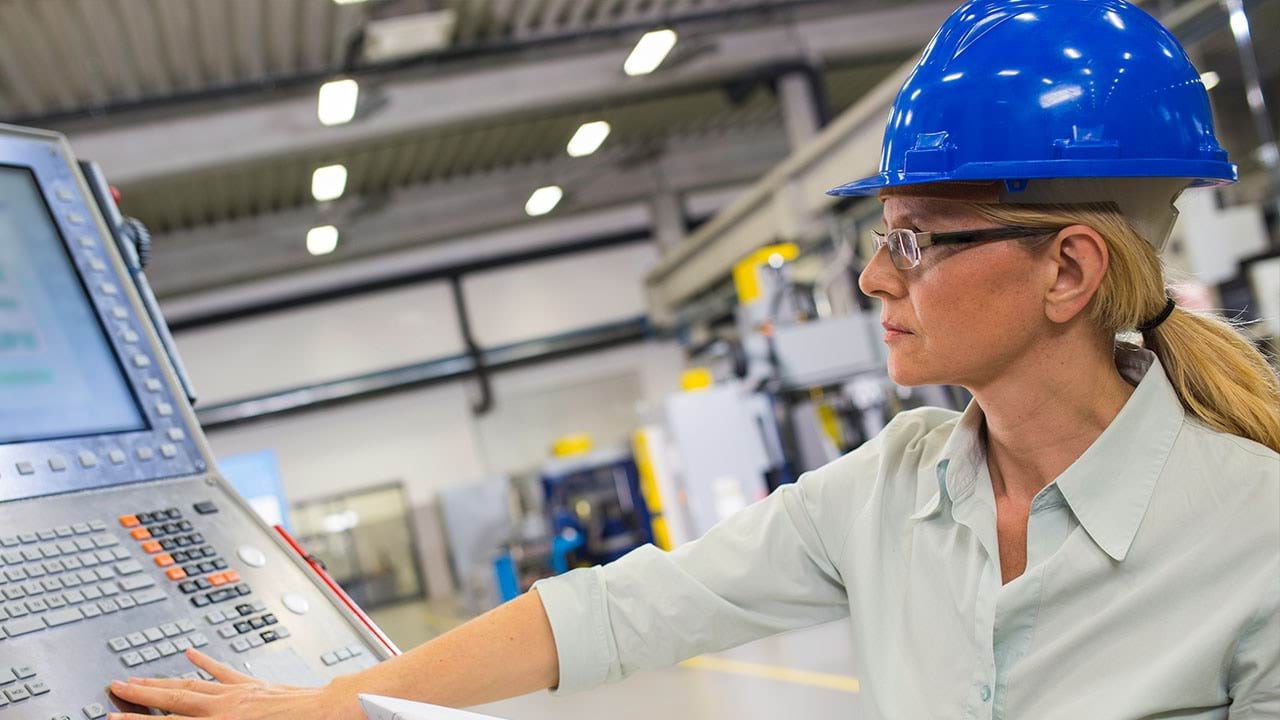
503	653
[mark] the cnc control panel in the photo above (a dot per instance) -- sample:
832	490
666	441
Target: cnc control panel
120	545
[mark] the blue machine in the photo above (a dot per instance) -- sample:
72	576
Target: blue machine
596	514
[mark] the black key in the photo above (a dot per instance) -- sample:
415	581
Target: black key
203	584
185	526
244	609
208	551
187	587
269	636
197	539
191	570
243	589
182	541
207	567
257	623
219	564
179	556
269	619
173	513
157	531
206	507
167	544
243	627
144	518
199	600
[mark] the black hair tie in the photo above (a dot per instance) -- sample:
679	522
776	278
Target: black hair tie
1155	322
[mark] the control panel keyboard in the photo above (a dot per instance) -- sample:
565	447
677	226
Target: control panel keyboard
72	573
161	569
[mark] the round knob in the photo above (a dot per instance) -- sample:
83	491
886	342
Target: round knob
252	556
296	603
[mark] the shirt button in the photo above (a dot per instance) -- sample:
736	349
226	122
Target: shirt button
985	692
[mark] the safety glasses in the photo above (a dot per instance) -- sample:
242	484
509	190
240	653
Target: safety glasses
905	244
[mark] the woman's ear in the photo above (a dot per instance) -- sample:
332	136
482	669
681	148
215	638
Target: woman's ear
1078	260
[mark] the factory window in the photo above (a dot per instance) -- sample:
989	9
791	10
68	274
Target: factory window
366	541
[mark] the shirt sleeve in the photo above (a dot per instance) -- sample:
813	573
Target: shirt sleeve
1255	669
767	569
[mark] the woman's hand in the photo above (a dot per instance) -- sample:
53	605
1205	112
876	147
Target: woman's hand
234	696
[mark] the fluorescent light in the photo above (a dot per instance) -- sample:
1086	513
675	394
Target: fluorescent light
588	139
329	182
649	52
322	240
544	200
348	2
1210	79
338	101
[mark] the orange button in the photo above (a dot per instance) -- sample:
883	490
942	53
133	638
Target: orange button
140	533
129	521
151	547
232	576
176	573
217	579
164	559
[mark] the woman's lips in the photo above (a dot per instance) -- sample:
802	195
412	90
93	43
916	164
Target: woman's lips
893	331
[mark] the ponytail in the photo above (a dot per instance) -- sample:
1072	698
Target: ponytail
1222	380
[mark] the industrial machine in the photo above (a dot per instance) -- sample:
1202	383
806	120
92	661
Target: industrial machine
120	543
595	512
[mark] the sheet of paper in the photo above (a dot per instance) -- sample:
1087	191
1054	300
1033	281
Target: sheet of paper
377	707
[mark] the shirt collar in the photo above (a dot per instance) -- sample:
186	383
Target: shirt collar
1109	487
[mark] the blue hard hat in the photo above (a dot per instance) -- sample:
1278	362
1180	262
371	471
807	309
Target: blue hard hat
1022	89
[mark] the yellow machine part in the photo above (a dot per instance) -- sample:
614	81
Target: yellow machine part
698	378
746	274
571	445
649	488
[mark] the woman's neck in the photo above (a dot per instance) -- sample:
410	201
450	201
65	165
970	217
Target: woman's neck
1045	409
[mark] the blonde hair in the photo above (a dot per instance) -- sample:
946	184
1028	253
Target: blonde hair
1221	378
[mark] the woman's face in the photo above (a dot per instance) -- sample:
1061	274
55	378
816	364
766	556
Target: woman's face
968	311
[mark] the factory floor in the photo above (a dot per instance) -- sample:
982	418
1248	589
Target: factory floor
804	674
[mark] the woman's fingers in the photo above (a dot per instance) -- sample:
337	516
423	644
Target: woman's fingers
168	699
220	672
203	687
136	716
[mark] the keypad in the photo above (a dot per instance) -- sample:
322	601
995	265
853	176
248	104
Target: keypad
247	625
19	683
153	643
66	574
341	654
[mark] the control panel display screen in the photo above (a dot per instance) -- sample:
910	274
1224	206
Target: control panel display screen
59	376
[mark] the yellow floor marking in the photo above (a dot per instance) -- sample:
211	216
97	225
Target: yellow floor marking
843	683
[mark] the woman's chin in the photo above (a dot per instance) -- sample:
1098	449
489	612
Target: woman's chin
909	372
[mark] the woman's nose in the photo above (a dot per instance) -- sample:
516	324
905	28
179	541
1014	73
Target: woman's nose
880	278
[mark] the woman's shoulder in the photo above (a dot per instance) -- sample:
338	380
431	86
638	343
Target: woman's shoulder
913	440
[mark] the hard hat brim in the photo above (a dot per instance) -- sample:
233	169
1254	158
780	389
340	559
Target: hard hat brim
1198	173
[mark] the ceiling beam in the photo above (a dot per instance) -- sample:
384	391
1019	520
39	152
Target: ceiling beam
285	126
261	259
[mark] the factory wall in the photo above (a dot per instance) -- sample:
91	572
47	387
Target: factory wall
428	438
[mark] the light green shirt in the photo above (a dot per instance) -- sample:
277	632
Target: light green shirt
1152	585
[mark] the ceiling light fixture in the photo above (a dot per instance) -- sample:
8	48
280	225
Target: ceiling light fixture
337	104
543	200
329	182
649	53
322	240
588	139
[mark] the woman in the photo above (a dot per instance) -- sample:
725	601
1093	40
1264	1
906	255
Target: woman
1096	536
